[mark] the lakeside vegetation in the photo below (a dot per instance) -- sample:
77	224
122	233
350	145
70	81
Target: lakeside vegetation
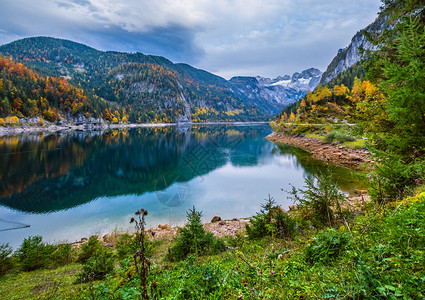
327	248
386	109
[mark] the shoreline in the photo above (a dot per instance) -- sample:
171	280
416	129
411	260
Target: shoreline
330	153
28	129
219	229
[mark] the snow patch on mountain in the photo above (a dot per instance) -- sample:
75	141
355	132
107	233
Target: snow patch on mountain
274	94
304	81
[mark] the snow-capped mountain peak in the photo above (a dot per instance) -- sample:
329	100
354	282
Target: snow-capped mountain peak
306	80
276	93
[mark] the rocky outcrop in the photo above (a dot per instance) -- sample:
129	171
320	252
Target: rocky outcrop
352	54
215	219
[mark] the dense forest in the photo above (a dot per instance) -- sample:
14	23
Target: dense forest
24	93
134	87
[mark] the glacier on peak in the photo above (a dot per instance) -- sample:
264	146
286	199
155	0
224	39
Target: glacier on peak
275	94
306	80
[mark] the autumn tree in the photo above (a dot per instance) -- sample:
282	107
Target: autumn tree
340	90
303	104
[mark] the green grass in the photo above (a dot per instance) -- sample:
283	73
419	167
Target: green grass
41	284
357	144
380	255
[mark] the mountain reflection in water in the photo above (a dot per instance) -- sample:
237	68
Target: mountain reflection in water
73	183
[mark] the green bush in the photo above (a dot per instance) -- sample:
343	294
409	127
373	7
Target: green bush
89	249
126	246
326	247
271	221
338	137
321	200
34	254
192	238
5	258
301	129
394	179
97	266
393	252
64	254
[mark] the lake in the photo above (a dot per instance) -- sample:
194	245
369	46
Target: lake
71	185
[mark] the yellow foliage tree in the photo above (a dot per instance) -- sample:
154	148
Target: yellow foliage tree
356	91
320	93
12	120
303	104
309	97
340	90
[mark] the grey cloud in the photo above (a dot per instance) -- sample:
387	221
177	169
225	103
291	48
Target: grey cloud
174	42
228	37
73	3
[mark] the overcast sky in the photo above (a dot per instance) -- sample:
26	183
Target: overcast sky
225	37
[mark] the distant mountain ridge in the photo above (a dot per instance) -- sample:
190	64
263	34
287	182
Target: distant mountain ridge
280	91
305	81
151	88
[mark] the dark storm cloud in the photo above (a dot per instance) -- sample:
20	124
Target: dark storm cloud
174	42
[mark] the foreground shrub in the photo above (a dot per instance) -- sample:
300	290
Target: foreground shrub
192	238
64	254
326	247
34	254
339	137
126	246
97	266
271	221
5	259
89	249
393	178
392	251
141	263
321	201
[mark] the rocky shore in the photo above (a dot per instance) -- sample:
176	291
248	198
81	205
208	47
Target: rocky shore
25	129
166	232
333	153
219	228
51	128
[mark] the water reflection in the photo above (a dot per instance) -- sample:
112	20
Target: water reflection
51	173
72	185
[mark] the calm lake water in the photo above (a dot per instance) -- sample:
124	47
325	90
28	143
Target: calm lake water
72	185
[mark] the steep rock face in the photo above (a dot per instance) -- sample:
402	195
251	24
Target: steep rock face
352	54
274	94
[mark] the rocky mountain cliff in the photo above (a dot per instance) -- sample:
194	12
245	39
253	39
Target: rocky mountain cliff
278	92
352	54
